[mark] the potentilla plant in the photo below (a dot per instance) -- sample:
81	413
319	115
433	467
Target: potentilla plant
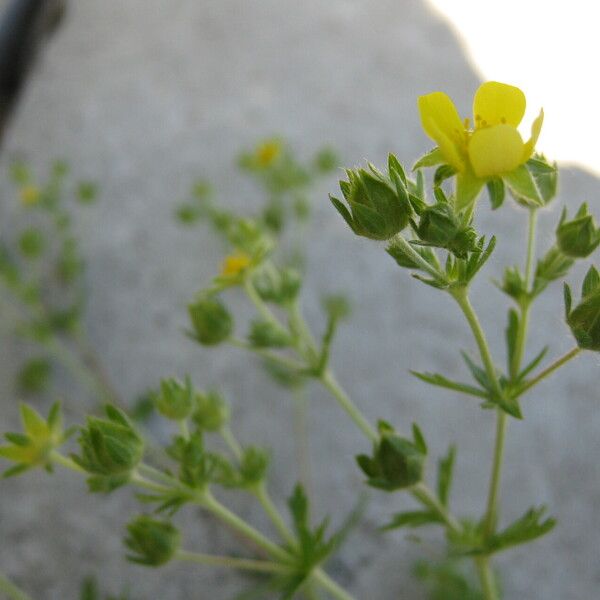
430	230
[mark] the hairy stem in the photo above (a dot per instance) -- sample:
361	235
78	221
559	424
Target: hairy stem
559	362
274	515
210	503
422	493
245	564
331	586
330	382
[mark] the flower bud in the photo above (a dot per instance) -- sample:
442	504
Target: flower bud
212	412
584	319
580	237
253	466
441	227
175	400
110	449
278	286
264	334
379	205
211	321
152	542
397	463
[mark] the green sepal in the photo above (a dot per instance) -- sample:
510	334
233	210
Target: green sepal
430	159
496	192
152	542
523	187
468	187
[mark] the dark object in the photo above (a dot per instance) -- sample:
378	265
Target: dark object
24	25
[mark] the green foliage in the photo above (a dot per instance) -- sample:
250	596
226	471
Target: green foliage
211	322
264	334
280	286
151	542
34	375
440	226
31	243
397	463
211	412
584	319
578	237
446	581
197	468
175	399
111	449
379	206
527	528
33	448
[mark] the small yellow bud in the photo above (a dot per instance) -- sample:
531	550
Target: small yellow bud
30	195
234	264
267	152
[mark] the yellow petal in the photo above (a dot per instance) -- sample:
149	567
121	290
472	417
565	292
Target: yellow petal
495	150
234	264
498	103
442	123
536	127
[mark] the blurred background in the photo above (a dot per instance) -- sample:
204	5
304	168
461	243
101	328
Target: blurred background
144	97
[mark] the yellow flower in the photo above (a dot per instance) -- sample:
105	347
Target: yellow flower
235	264
494	146
30	195
267	152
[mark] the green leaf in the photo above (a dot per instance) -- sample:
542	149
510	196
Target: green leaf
525	529
523	187
533	364
419	439
412	519
441	381
568	300
445	472
87	192
34	375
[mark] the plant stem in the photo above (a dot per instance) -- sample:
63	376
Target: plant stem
264	311
184	430
422	493
559	362
418	259
268	354
271	511
485	573
231	441
11	590
491	514
486	576
224	514
141	481
65	461
331	586
330	382
245	564
462	298
301	431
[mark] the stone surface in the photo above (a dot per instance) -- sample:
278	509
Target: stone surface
145	97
